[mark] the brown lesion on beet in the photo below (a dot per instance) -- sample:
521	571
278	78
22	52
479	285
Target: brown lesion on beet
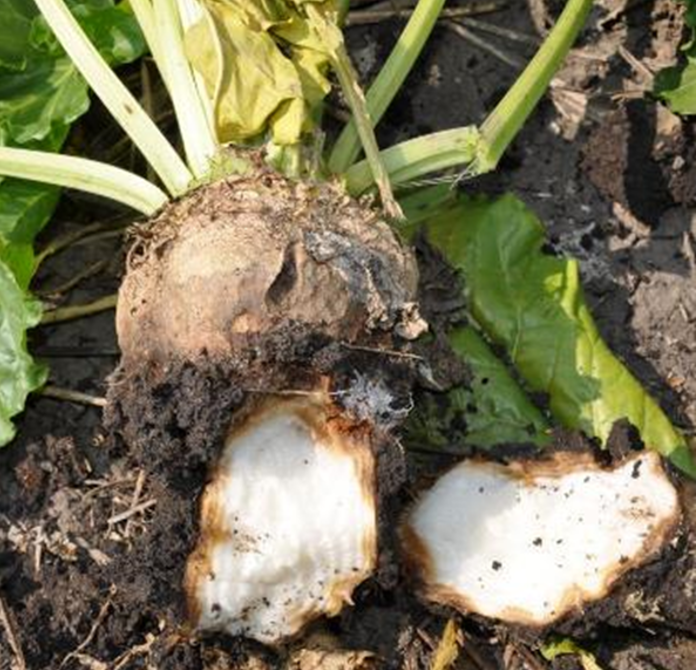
172	420
282	251
285	279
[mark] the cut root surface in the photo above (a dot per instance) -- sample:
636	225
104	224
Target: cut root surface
288	524
529	542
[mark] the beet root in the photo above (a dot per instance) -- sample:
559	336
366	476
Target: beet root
246	258
260	321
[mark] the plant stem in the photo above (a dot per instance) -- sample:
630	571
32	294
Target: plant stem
190	12
332	38
67	240
83	174
343	9
145	15
389	81
58	393
72	312
366	17
90	271
484	44
504	122
481	150
200	142
412	159
116	97
356	101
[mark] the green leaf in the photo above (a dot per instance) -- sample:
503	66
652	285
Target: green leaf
47	93
491	410
41	94
499	411
111	28
19	374
25	207
564	646
532	305
677	85
15	30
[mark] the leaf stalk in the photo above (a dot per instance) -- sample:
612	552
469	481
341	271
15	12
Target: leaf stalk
116	97
504	122
389	80
84	175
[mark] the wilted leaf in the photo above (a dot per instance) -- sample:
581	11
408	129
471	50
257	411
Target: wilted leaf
322	651
19	375
263	69
260	14
312	66
532	305
253	80
315	659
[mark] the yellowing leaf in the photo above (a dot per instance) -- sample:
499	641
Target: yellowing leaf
298	32
312	67
564	647
259	14
253	80
288	121
263	67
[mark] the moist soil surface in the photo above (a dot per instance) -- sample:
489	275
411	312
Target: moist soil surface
92	539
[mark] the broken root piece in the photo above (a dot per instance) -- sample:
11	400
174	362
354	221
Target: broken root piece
288	523
535	540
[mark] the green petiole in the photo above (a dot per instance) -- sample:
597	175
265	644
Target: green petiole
200	142
412	159
332	39
84	175
116	97
482	149
388	81
504	122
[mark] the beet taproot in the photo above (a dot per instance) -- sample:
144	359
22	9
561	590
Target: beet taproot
539	543
283	304
241	259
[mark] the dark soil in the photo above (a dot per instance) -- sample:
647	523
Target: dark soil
87	582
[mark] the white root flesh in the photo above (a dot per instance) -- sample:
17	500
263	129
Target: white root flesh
288	524
528	542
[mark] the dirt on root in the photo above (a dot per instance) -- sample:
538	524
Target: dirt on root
92	534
